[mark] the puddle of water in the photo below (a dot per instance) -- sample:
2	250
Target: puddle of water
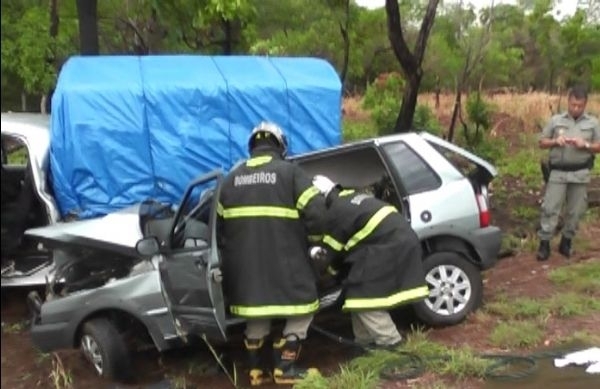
547	376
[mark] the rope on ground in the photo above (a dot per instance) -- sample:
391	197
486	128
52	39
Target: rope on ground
411	365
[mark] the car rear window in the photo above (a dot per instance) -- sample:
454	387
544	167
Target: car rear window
416	175
461	163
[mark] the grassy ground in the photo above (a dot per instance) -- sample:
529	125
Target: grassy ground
520	324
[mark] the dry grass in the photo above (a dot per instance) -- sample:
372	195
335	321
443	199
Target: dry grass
529	110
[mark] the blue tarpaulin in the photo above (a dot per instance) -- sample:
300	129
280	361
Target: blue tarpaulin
127	128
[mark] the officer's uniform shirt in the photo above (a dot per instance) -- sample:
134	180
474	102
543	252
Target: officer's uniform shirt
585	127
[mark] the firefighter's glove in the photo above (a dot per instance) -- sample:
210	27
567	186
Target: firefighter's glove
323	184
318	253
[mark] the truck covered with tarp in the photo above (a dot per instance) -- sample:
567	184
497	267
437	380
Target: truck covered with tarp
125	129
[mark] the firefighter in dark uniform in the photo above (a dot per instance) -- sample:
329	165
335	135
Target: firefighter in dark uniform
267	208
382	258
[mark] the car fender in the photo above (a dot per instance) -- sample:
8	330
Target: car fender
453	238
104	304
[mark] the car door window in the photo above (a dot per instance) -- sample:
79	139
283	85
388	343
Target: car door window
416	175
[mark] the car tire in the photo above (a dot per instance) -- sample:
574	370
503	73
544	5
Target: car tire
104	348
452	299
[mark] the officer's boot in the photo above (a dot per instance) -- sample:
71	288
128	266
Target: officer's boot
258	373
286	352
544	250
565	247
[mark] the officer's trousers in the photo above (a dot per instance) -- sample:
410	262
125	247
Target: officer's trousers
374	327
574	197
296	325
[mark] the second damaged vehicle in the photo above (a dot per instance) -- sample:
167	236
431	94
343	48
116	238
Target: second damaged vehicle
152	272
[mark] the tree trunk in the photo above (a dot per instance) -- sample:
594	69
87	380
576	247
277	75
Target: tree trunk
346	39
438	90
455	110
45	103
54	18
409	104
228	40
87	14
409	61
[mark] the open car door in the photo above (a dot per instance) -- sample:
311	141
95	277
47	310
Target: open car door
190	267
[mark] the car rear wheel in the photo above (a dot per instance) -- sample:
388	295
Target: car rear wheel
455	289
103	346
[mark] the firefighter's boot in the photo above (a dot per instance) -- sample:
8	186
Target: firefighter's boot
286	352
259	373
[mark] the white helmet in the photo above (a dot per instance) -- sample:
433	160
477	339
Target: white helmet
271	129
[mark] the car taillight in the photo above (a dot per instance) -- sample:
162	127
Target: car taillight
484	212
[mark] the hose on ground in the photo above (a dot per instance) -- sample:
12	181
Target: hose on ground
410	365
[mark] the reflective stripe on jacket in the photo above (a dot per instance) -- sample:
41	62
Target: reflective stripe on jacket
381	249
267	208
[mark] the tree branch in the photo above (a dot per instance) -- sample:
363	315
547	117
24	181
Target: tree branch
426	26
399	46
131	24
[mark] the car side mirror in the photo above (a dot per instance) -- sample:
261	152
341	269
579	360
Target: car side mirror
147	247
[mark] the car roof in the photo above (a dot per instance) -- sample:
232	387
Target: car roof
358	143
25	119
31	128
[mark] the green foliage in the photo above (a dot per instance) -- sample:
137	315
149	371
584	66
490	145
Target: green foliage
346	378
522	308
205	25
525	213
572	304
14	328
383	98
18	156
479	118
524	165
355	130
364	371
459	362
580	277
580	337
479	111
516	334
425	119
491	149
28	51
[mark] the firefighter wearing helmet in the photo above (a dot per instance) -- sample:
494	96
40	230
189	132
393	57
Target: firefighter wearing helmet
267	206
376	254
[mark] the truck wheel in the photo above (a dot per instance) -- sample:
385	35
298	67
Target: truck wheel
103	346
455	289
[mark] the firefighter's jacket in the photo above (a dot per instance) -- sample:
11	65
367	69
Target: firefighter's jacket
266	209
379	249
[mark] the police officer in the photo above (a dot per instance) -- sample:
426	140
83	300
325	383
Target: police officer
573	138
381	255
267	208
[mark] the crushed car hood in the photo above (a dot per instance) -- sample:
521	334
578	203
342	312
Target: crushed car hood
118	232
